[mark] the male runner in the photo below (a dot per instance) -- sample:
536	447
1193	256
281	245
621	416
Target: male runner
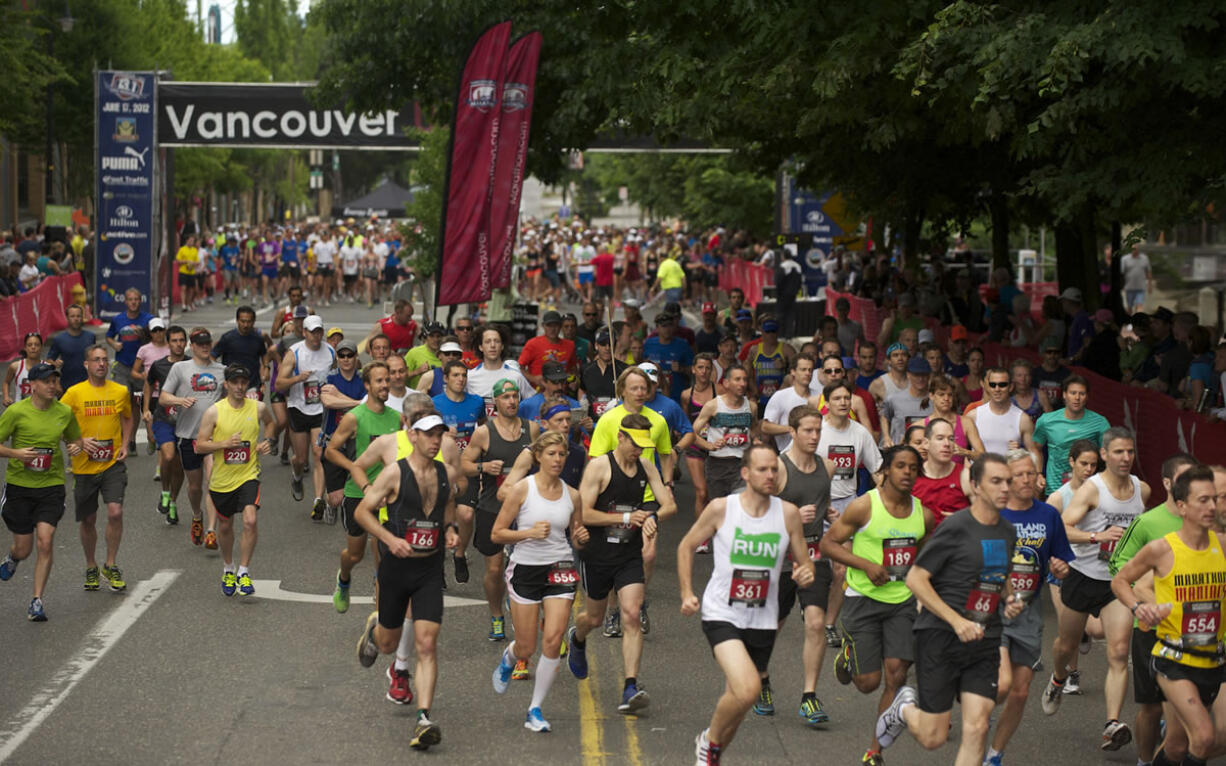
462	412
419	497
303	371
961	577
66	349
493	368
728	420
1002	425
34	478
128	331
103	410
342	391
775	420
232	427
613	511
751	532
885	526
162	422
244	345
1058	429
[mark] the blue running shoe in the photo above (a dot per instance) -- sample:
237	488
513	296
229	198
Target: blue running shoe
766	701
993	760
811	710
498	629
7	567
536	722
36	613
634	699
229	583
502	673
576	660
245	586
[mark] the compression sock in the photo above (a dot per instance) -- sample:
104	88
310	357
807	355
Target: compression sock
405	646
546	671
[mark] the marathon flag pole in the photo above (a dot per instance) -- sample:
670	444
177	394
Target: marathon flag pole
464	254
518	93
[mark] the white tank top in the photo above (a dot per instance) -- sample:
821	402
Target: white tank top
748	556
996	431
1092	557
21	381
304	396
732	422
555	547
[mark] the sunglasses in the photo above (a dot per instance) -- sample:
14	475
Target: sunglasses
998	385
346	355
590	315
463	329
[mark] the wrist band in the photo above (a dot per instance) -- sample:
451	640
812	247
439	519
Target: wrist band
625	518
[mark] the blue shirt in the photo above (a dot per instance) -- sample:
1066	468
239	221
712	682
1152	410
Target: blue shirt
354	389
130	332
1040	531
864	381
289	251
71	349
530	408
463	415
229	256
672	413
670	358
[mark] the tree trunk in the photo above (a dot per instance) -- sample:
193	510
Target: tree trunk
913	225
1076	258
999	208
1114	299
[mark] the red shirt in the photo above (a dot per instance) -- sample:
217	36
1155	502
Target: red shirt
472	359
540	350
870	406
603	263
401	335
941	496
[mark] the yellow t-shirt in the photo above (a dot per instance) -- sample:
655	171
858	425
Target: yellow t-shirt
604	437
187	258
671	275
235	466
99	411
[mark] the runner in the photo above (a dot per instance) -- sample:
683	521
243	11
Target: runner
1042	548
1002	425
942	390
422	358
769	358
1057	430
1095	520
245	345
462	412
418	494
751	533
399	328
1189	573
232	427
17	377
494	367
162	423
894	380
943	486
599	378
728	420
304	370
692	401
616	519
434	381
127	332
490	455
34	489
340	394
541	574
103	410
287	315
191	387
67	348
775	420
905	408
885	527
961	577
157	348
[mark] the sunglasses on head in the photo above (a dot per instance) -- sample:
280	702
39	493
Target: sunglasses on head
998	385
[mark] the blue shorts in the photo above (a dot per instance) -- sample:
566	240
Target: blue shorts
586	278
188	457
1135	298
163	433
269	271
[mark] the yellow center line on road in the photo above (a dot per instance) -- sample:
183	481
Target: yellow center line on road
591	726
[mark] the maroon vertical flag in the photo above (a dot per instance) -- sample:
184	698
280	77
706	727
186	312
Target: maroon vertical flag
464	261
517	95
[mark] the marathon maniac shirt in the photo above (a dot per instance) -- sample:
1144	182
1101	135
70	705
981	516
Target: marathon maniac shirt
969	565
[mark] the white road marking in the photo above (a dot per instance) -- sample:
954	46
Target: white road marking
271	589
104	636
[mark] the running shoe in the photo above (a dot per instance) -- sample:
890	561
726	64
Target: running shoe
498	629
317	510
197	531
398	690
644	622
1072	684
172	514
842	664
577	660
994	760
872	758
634	699
114	578
210	540
367	651
766	701
164	503
1086	644
35	613
7	567
150	448
502	673
91	578
157	473
276	448
340	596
534	721
295	488
229	583
833	639
1116	734
890	724
330	514
245	586
425	734
1053	694
811	710
706	753
461	568
520	673
613	624
284	456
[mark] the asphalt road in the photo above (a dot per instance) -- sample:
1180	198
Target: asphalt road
174	672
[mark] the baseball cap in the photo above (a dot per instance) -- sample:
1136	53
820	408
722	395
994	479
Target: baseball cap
237	371
632	303
1104	315
428	423
1050	342
919	366
553	371
652	371
551	317
925	336
157	323
770	325
1071	294
450	347
602	337
665	317
42	371
708	308
435	328
347	345
301	312
743	314
502	385
1164	314
202	337
335	331
957	332
313	323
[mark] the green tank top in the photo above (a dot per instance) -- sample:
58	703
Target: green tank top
890	542
369	427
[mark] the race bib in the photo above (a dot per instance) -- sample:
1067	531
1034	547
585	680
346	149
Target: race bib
813	544
41	460
844	459
489	407
768	388
104	452
422	535
563	573
982	602
25	388
897	556
1201	620
1105	549
749	587
737	438
310	392
601	405
237	455
463	439
619	534
1024	577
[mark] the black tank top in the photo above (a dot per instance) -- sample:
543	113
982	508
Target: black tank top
408	519
506	451
624	494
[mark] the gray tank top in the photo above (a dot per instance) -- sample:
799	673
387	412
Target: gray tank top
890	387
803	489
506	451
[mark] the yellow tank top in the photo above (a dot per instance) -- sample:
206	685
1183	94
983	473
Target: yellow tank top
233	466
1195	587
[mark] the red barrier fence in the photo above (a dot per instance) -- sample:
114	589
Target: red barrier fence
41	310
750	277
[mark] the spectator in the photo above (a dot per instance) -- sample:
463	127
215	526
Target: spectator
1160	341
1052	322
1025	332
1102	353
965	307
1134	346
1138	279
1049	376
850	333
29	276
1080	327
1199	384
670	279
10	284
902	318
789	279
1173	367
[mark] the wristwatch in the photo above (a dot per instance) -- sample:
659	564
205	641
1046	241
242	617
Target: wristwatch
1093	537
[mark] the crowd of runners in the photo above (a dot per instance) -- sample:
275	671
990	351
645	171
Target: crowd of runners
914	515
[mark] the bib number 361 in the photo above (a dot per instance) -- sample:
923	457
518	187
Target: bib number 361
749	587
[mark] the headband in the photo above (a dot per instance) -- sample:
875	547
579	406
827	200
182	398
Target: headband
554	410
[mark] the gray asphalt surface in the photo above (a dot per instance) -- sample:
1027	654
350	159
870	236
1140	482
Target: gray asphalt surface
174	672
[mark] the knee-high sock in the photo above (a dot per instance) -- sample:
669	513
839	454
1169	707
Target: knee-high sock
546	671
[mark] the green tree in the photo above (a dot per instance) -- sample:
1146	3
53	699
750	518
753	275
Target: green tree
28	71
421	232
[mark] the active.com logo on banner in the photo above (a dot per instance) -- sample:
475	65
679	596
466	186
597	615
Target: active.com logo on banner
125	171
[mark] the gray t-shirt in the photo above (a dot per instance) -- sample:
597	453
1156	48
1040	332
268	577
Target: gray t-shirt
1134	269
901	410
969	564
201	382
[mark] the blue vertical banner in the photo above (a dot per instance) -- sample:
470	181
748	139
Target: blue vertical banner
126	170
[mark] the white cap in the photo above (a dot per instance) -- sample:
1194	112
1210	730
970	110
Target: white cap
652	371
451	347
429	423
313	322
924	336
157	323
